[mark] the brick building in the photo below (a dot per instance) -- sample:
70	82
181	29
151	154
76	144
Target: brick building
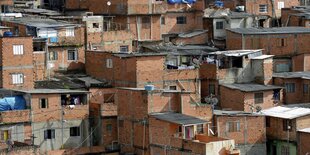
138	69
63	45
217	20
49	118
17	68
296	16
107	36
284	42
251	97
235	66
165	118
146	20
282	124
296	86
247	129
302	141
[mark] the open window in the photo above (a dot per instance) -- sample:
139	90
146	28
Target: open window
49	134
75	131
74	99
43	103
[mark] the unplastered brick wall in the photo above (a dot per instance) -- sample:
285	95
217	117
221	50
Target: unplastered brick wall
303	143
21	64
252	129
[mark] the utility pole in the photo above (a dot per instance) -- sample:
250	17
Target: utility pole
62	126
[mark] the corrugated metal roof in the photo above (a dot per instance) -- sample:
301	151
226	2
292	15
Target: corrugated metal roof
274	30
52	91
251	87
286	112
307	130
290	75
178	118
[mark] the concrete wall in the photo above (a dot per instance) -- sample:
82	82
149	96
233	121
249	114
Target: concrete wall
252	149
68	141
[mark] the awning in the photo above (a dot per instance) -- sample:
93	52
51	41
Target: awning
178	118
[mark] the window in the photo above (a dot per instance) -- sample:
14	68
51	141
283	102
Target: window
75	131
43	103
233	126
123	49
219	25
285	150
5	135
211	89
172	87
282	68
263	8
287	125
53	55
306	88
95	25
200	129
109	128
280	5
258	98
282	42
18	49
290	87
108	98
267	121
181	20
49	134
146	22
72	55
18	78
109	63
162	20
70	32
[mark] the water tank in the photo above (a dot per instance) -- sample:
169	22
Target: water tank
219	4
7	34
149	87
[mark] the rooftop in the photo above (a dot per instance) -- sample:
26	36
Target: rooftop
222	13
251	87
192	33
288	112
307	130
238	53
234	113
41	23
52	91
274	30
178	118
291	75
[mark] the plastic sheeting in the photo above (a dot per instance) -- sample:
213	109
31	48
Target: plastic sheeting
181	1
12	103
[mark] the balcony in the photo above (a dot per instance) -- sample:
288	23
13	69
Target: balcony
76	111
15	116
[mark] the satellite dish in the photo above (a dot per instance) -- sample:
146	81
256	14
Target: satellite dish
109	3
258	108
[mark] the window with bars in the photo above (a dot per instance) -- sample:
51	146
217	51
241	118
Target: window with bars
181	20
17	78
70	32
219	25
290	87
72	55
53	55
258	98
18	49
233	126
263	8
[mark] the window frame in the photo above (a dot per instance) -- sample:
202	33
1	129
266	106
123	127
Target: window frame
235	126
20	80
259	98
219	25
75	131
52	134
121	49
263	8
180	20
70	32
54	54
109	63
46	103
18	49
75	54
290	87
